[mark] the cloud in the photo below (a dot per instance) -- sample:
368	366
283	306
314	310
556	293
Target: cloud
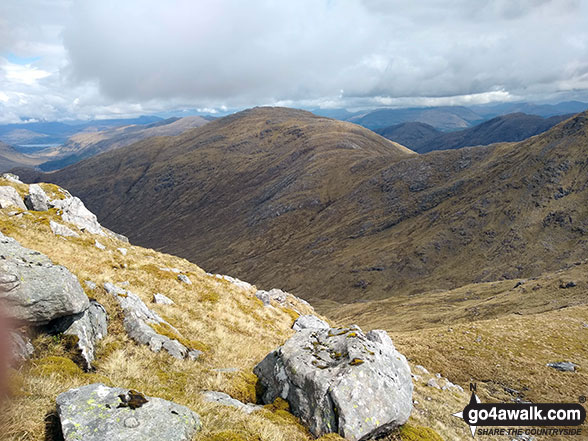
111	57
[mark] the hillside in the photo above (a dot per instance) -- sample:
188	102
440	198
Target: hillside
345	224
222	317
10	158
509	128
85	144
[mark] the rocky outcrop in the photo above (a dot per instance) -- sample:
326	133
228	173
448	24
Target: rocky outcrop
89	327
340	380
62	230
309	322
36	199
36	290
142	325
226	400
75	212
282	298
9	197
97	413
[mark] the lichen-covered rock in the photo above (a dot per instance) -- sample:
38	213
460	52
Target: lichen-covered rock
141	324
9	197
227	400
339	380
36	199
75	212
89	327
97	413
35	290
309	322
62	230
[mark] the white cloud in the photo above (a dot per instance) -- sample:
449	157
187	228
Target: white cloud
108	57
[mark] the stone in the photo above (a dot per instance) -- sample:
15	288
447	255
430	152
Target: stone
99	245
381	337
89	327
563	366
97	413
90	285
239	283
283	298
264	297
62	230
309	322
12	178
226	400
75	212
37	291
21	347
422	369
184	279
9	197
194	354
37	199
338	380
433	383
140	322
123	251
162	300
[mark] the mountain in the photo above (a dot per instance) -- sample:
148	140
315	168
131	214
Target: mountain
337	214
442	118
31	133
545	110
85	144
11	158
423	138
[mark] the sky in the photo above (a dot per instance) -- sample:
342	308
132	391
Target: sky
69	59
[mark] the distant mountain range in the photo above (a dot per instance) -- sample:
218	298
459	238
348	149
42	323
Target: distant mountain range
423	138
339	214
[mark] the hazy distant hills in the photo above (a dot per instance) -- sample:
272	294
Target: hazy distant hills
423	138
58	132
86	144
334	211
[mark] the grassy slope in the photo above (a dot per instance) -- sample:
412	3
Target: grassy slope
228	323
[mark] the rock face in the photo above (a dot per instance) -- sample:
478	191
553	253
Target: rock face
36	199
309	322
141	323
9	197
62	230
97	413
75	212
89	327
339	380
37	291
227	400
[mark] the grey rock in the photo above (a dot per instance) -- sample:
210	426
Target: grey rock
226	400
37	199
337	380
35	290
194	354
94	413
309	322
184	278
89	327
433	383
563	366
90	285
9	197
12	178
381	337
99	245
62	230
238	283
162	300
422	369
21	346
264	297
116	236
139	323
123	251
75	212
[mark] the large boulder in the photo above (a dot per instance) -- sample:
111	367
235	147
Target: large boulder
75	212
35	290
339	380
89	327
97	413
36	199
9	197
